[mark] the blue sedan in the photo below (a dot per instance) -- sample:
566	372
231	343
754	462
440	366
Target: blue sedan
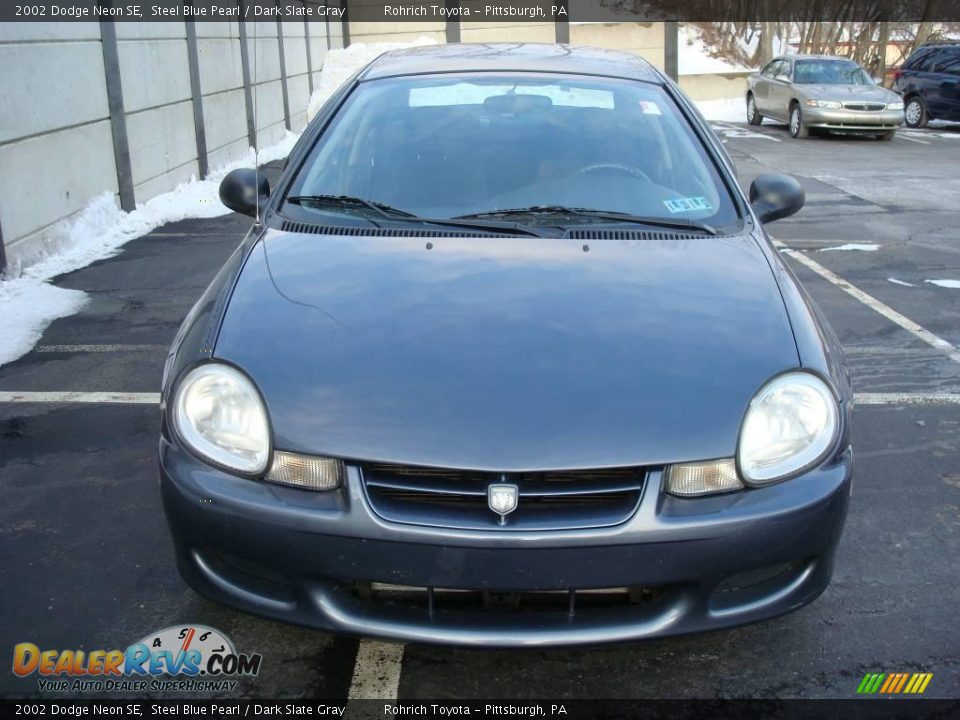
507	359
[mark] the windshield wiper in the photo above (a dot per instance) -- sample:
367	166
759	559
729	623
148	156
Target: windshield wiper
380	208
612	215
391	213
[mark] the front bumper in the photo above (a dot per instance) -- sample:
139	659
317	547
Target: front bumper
299	556
852	120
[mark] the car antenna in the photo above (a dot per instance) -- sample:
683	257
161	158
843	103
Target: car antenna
256	127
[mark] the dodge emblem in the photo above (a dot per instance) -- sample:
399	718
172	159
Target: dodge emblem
502	499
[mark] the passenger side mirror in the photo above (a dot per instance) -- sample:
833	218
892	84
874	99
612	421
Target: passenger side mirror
773	197
243	189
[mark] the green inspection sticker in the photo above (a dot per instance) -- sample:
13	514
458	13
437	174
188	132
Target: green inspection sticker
689	204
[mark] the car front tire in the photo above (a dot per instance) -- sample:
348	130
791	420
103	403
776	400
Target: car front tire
915	113
798	128
753	115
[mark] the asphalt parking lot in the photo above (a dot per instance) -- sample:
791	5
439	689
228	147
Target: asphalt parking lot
86	561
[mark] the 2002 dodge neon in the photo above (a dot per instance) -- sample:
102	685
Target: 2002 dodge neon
507	359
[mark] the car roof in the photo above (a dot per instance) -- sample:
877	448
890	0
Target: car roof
813	57
507	57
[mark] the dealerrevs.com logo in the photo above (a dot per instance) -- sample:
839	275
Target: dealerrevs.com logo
191	658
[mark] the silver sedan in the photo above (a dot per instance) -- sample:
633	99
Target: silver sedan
822	92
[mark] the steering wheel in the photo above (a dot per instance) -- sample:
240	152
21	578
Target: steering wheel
616	167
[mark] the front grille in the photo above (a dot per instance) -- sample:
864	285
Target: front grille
553	500
865	107
538	601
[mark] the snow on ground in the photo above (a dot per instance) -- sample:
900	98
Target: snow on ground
30	303
954	284
863	247
726	110
28	307
900	282
340	65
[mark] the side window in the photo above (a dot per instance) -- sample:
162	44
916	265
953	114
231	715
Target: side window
922	60
948	61
768	71
785	69
952	66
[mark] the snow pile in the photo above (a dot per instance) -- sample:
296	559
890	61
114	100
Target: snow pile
99	231
953	284
725	110
340	65
694	58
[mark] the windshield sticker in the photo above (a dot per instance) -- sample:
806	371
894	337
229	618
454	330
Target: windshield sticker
690	204
648	107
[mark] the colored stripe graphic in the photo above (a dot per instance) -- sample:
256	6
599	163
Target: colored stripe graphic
871	683
890	682
894	683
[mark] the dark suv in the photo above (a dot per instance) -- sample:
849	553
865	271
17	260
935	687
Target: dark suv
930	84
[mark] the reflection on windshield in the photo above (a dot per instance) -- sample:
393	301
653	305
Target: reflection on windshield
445	146
830	72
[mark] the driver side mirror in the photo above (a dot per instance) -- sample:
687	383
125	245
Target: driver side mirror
243	189
773	197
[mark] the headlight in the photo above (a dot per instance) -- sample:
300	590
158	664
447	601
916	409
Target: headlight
895	106
218	413
791	425
825	104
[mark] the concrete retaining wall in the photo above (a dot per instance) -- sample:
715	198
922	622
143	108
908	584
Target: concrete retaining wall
57	143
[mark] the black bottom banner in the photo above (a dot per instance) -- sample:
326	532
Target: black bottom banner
887	709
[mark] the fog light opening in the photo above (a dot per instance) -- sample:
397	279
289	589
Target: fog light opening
307	472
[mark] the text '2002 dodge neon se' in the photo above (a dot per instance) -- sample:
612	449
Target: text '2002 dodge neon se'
507	359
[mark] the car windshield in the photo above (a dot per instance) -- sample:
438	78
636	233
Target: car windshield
443	146
830	72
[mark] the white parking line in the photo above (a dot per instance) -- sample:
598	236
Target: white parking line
934	341
741	131
376	671
912	139
127	398
120	398
906	398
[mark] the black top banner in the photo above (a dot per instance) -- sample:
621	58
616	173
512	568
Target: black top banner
466	11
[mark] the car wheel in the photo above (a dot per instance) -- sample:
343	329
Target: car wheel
887	136
798	128
915	113
753	115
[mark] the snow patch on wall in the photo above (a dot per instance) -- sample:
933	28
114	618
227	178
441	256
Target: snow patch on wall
695	58
340	65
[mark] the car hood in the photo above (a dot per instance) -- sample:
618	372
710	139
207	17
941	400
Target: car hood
507	353
848	93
